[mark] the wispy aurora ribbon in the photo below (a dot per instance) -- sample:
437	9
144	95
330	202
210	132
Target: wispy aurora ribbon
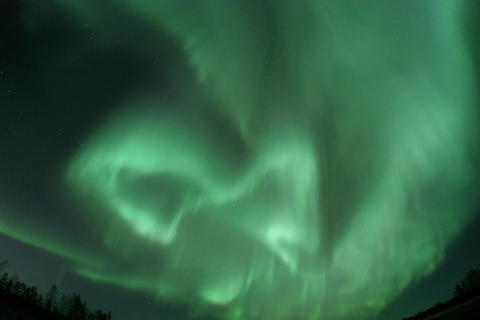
332	176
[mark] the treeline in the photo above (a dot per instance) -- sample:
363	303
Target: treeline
468	289
16	295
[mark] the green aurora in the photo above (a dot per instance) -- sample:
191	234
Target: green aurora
313	162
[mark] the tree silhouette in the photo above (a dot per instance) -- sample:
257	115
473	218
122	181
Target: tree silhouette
64	304
50	298
466	290
11	283
4	280
39	301
458	291
25	300
31	295
471	281
78	309
3	265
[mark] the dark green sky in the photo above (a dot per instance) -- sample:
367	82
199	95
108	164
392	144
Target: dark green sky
243	159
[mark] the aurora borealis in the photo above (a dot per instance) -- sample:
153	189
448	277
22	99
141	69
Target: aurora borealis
245	159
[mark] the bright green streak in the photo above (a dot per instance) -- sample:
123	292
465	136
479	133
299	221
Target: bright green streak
344	112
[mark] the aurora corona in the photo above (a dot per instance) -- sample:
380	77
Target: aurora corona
309	154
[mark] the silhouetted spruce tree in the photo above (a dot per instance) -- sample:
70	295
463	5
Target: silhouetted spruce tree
458	291
39	301
78	309
471	281
63	305
98	315
19	288
3	281
51	299
3	265
31	295
26	300
12	281
472	278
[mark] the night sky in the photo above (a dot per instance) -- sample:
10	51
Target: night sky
268	160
